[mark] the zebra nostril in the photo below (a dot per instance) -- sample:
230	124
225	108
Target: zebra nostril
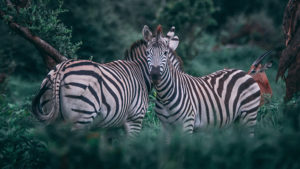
155	74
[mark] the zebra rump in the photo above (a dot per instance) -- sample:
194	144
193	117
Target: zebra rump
88	94
49	90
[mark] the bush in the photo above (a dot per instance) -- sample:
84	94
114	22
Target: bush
25	143
103	32
106	28
19	148
190	18
214	56
41	17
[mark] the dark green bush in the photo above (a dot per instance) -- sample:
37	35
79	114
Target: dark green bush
25	143
191	18
98	24
19	147
41	17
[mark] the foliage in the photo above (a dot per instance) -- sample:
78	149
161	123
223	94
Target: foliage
18	90
26	59
187	15
242	29
6	65
190	18
103	33
214	56
106	28
17	145
230	8
42	18
25	143
137	13
211	52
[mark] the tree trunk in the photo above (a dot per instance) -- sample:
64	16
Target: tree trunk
290	58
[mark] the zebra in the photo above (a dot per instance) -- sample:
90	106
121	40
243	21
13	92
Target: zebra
88	94
217	99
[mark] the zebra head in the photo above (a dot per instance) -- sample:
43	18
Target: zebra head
158	50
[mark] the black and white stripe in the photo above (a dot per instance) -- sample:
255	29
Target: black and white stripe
88	94
217	99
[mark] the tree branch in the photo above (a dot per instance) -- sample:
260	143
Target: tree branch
50	55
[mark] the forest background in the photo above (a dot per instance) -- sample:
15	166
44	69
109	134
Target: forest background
213	35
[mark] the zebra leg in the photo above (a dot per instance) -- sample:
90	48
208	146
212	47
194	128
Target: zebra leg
188	125
167	130
248	119
134	126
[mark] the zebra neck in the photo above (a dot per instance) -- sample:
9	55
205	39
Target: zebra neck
137	55
166	88
146	74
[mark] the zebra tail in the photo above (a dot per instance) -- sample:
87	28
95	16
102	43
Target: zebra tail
50	93
37	110
257	71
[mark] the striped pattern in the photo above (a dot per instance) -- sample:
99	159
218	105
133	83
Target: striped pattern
88	94
218	99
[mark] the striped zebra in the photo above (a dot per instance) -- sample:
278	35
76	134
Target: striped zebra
217	99
88	94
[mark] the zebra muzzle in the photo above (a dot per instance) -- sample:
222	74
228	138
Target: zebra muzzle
155	74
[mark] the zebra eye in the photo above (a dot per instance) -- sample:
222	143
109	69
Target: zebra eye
147	52
165	53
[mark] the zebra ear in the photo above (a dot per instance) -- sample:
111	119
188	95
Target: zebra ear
173	43
171	39
147	34
171	33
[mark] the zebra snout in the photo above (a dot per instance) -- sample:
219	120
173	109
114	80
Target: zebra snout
155	74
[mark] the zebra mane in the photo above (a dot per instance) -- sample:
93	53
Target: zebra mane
136	44
181	67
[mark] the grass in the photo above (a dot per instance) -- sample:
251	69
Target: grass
25	143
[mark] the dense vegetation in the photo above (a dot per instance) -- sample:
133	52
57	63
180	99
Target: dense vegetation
106	29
